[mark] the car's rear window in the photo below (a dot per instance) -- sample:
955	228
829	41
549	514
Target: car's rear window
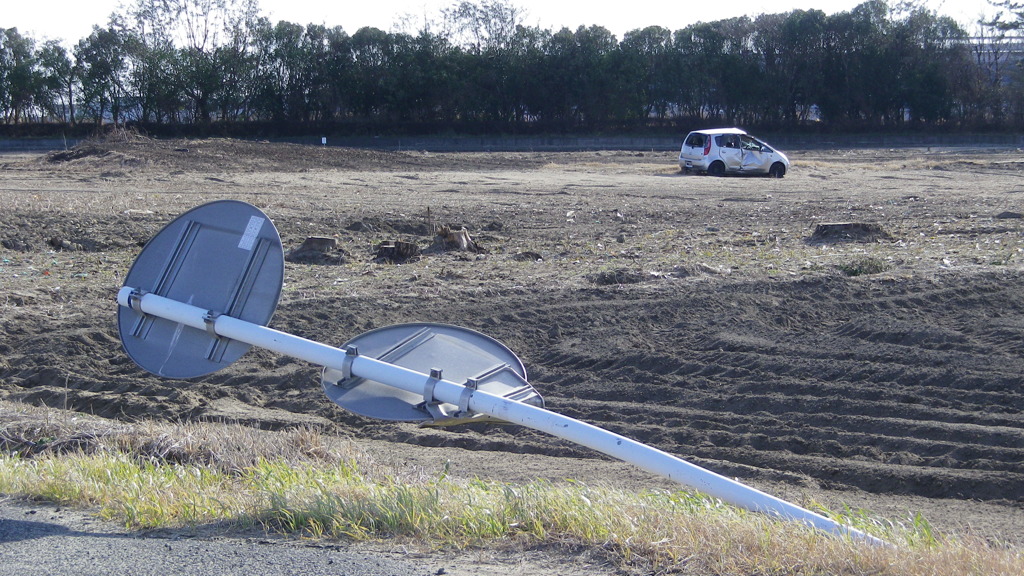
695	140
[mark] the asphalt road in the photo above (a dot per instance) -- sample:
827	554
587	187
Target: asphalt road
42	539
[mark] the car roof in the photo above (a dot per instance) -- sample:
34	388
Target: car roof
720	131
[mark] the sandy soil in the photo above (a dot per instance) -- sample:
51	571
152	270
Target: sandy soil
880	369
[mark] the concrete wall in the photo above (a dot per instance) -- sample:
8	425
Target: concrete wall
35	145
783	141
554	144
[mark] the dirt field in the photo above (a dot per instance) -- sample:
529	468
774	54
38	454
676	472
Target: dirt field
705	316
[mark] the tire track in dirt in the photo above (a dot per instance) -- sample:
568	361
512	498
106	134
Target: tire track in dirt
846	395
907	387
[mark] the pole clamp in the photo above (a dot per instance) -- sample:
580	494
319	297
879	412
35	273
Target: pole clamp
135	300
346	366
210	320
428	388
469	387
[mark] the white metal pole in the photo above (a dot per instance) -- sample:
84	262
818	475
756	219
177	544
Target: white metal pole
599	439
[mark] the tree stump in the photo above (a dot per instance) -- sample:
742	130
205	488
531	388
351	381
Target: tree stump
397	250
849	232
318	244
456	240
316	250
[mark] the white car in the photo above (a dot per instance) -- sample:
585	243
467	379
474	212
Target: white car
723	151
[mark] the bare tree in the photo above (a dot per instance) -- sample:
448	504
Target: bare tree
486	26
201	25
209	35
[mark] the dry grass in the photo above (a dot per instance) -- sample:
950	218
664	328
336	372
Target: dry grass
33	432
306	483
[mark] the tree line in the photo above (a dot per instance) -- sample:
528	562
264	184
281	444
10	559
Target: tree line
188	65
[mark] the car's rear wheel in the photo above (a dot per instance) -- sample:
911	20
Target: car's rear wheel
778	170
717	168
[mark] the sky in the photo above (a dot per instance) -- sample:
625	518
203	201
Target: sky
72	20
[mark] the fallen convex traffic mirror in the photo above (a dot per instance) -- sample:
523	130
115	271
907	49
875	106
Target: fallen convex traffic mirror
203	290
